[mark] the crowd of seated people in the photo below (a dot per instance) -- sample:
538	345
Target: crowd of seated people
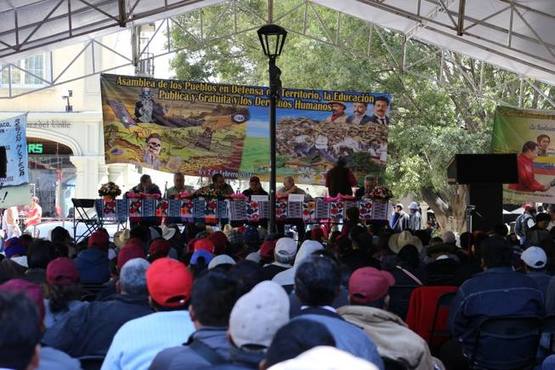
164	297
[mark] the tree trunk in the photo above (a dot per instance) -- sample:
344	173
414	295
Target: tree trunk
449	209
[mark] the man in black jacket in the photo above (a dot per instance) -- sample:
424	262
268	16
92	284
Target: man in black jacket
90	330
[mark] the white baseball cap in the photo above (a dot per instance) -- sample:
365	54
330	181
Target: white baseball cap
534	257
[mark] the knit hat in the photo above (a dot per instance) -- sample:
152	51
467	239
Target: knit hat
31	290
222	259
14	247
169	282
257	315
62	271
201	253
132	249
99	239
220	242
324	358
204	244
534	257
367	285
285	248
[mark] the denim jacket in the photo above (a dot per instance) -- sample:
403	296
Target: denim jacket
498	291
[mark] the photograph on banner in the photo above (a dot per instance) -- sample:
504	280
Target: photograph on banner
200	128
530	134
14	166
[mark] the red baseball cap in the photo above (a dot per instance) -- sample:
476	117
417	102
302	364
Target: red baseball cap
99	239
205	244
62	271
368	284
132	249
169	282
159	248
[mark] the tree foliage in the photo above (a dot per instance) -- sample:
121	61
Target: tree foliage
437	112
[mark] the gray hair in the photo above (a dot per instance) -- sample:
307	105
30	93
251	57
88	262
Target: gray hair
132	278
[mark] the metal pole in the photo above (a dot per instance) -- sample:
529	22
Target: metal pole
273	99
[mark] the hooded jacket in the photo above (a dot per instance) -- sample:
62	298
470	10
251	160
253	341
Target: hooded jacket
93	266
391	335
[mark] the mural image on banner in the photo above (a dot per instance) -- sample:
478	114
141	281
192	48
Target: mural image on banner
14	179
531	134
200	128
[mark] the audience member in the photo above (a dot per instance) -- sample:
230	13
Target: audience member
408	275
254	320
49	358
212	300
295	338
443	266
286	278
159	248
535	260
93	263
39	254
368	297
247	274
15	264
284	255
498	291
138	341
20	334
63	289
317	282
90	330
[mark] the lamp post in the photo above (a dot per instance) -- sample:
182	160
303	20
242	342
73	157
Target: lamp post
272	37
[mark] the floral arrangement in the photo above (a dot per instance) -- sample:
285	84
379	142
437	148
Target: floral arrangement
209	192
110	189
381	192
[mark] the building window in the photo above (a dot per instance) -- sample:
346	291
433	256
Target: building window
30	73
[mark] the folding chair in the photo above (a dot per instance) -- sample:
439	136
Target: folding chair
85	213
443	304
506	342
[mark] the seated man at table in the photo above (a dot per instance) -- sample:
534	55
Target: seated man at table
218	186
146	186
289	187
178	187
255	188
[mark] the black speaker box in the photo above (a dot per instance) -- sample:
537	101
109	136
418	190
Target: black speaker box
483	168
3	162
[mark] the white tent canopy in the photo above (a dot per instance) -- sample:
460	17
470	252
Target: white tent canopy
517	35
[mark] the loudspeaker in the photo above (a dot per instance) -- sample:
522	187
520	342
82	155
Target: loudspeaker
483	168
3	162
488	200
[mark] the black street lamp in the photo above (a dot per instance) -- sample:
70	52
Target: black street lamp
272	37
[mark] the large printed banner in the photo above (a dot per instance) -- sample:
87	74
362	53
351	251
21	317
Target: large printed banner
14	176
528	133
200	128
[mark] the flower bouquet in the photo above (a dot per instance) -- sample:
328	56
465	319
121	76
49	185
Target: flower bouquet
381	192
109	190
